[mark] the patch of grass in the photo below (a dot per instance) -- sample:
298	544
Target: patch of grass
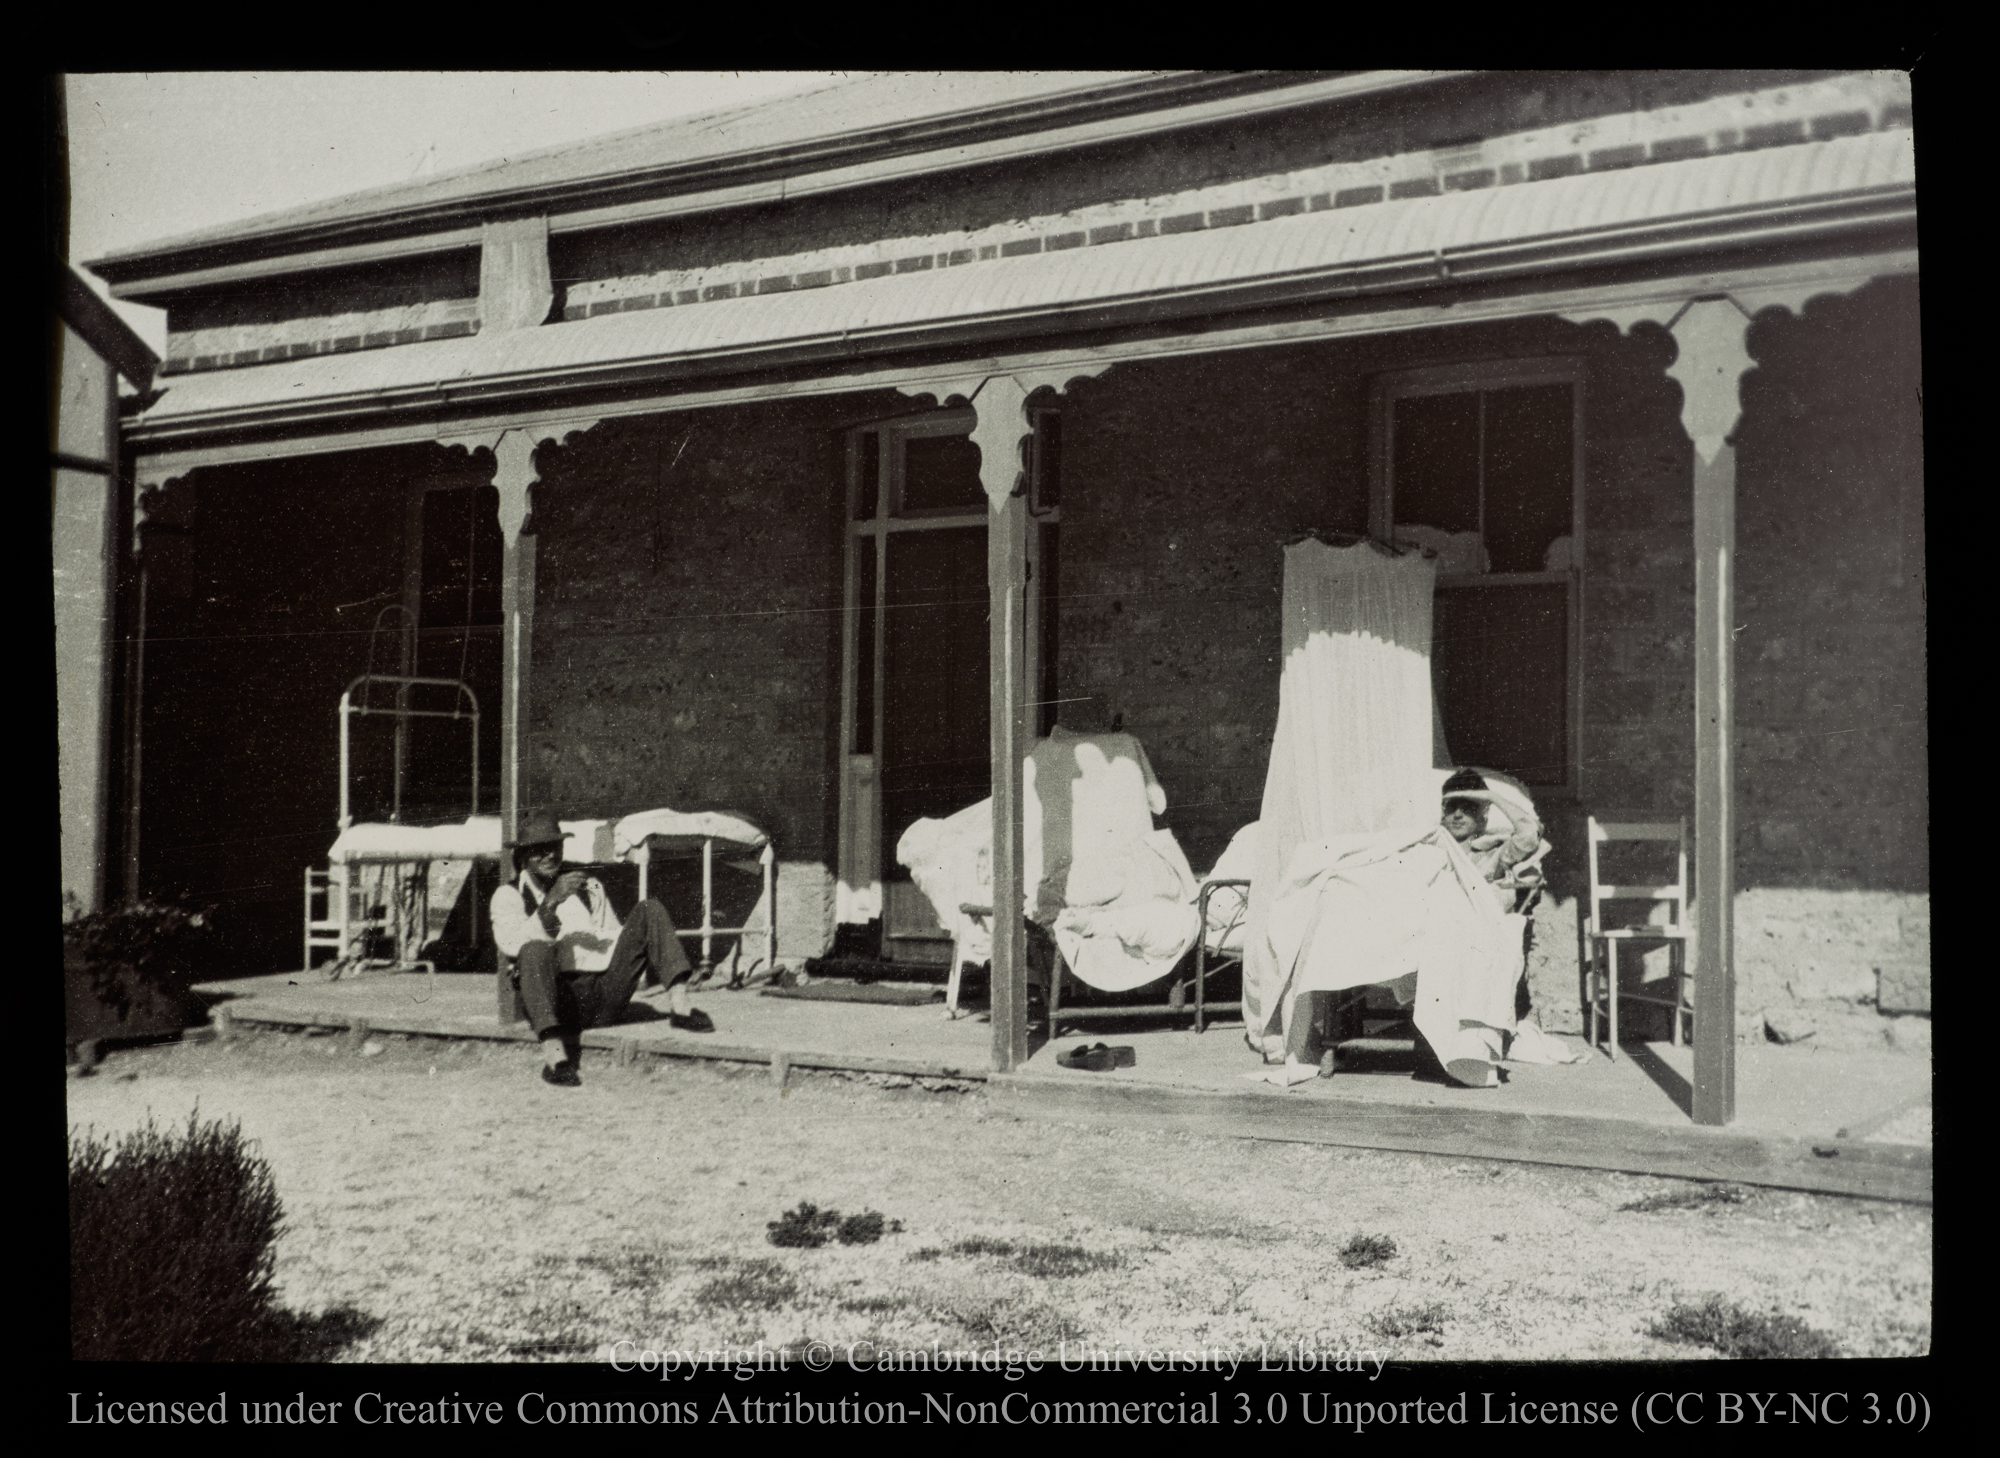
808	1227
927	1253
1061	1260
751	1286
1409	1321
1734	1332
558	1346
979	1245
874	1305
630	1270
1696	1198
1011	1322
171	1247
1036	1260
1362	1251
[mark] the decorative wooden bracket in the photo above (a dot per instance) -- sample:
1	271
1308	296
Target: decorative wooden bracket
1710	366
514	469
1000	402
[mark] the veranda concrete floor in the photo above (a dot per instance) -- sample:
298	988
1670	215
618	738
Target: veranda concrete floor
1817	1117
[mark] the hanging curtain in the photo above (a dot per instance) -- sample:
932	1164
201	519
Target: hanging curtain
1354	748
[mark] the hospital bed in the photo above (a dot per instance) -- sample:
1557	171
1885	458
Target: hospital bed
371	907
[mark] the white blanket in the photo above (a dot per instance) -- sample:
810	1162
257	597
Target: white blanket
1409	911
1116	893
1353	751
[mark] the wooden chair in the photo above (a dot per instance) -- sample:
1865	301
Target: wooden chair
1604	938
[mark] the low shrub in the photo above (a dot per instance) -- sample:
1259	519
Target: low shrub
865	1228
155	943
808	1227
170	1239
1409	1321
1734	1332
1362	1251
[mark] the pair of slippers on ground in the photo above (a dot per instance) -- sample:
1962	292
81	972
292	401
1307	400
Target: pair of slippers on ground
1097	1058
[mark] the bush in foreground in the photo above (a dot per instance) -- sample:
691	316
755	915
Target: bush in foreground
170	1241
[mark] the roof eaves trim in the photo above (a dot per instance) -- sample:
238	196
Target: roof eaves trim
201	262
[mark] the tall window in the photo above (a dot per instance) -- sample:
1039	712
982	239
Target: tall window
1483	465
915	707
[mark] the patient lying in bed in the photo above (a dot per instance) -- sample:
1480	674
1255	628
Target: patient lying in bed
1429	915
1467	800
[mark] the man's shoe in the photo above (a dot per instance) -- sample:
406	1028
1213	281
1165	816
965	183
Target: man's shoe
562	1075
694	1020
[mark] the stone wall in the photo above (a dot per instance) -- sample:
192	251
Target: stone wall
687	642
687	630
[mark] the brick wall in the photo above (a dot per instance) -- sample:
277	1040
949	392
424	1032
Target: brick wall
687	631
1185	476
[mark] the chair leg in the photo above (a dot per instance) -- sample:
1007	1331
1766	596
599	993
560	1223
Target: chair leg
1674	979
1055	993
1590	994
1200	976
1611	982
1681	999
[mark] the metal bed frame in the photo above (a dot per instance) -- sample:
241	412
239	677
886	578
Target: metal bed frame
357	913
356	918
1176	991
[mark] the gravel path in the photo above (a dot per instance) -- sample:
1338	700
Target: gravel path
468	1212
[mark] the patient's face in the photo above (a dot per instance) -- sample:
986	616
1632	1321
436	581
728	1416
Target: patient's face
1463	819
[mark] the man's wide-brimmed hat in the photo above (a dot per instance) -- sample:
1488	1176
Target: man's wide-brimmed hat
536	827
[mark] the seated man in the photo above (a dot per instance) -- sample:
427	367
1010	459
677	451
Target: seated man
1466	801
577	966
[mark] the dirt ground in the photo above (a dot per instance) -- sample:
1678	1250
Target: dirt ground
460	1210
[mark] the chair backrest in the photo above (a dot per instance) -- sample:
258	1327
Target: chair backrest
1674	894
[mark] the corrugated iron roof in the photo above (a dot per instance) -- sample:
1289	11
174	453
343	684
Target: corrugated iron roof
1449	229
832	110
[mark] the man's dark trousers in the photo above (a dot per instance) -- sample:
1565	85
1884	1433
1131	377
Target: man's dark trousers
568	1002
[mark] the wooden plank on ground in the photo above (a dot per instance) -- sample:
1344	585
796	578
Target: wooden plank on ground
1844	1167
612	1040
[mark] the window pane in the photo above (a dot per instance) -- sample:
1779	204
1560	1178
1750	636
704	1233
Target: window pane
935	752
869	469
1436	444
1530	474
941	471
864	646
1500	663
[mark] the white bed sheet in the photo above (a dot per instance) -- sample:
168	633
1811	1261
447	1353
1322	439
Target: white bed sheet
1117	894
587	842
